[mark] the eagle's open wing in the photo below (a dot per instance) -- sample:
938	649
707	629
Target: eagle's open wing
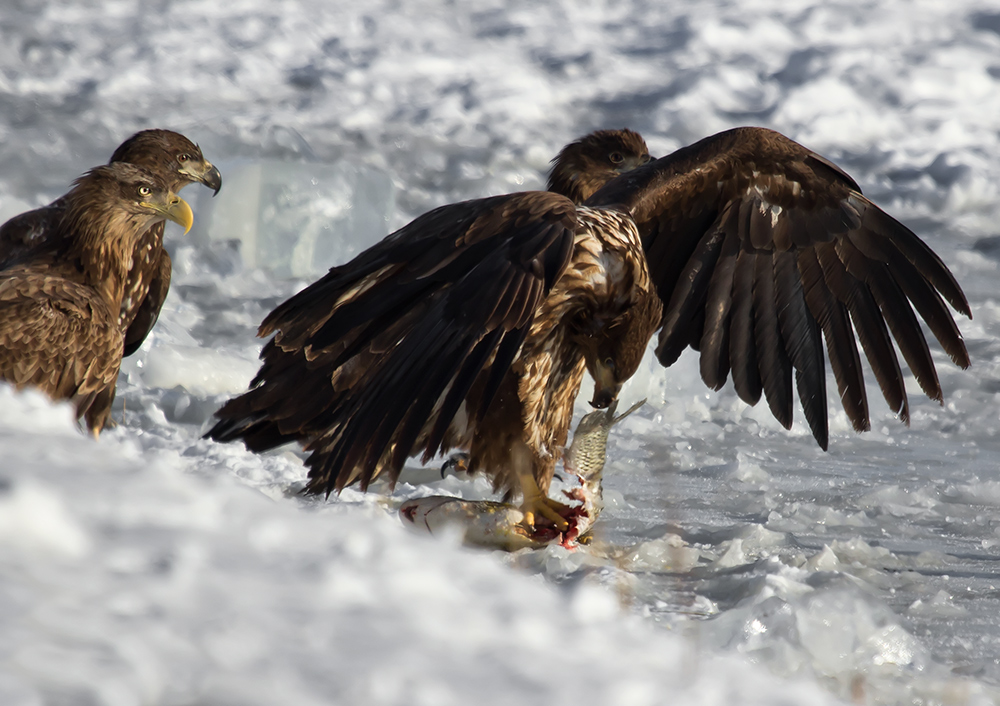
760	248
373	362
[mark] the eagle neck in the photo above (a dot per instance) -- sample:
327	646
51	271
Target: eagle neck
101	243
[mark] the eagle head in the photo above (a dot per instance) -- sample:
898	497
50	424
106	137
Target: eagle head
614	351
171	156
586	165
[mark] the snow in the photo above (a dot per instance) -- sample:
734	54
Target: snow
735	562
131	576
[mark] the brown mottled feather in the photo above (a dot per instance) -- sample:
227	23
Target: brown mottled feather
83	341
176	161
59	308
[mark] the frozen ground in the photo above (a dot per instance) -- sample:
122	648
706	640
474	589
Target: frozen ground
736	563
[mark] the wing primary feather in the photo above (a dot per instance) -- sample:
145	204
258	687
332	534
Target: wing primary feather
931	308
871	330
905	329
417	372
803	343
775	367
420	369
506	353
925	260
668	246
689	294
417	416
832	316
368	315
715	335
742	348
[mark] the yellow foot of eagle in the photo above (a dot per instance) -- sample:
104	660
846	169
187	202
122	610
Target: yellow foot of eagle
540	508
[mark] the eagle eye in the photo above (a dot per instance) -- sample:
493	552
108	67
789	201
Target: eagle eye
616	157
609	363
183	158
145	191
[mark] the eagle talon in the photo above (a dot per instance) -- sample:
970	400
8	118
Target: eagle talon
545	510
456	463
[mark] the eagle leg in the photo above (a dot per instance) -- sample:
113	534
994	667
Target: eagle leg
536	505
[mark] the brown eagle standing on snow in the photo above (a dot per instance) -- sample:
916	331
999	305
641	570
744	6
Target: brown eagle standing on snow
471	327
59	308
176	161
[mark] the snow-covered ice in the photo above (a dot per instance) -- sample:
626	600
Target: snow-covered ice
736	563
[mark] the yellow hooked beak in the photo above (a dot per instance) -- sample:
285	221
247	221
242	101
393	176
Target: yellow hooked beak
175	209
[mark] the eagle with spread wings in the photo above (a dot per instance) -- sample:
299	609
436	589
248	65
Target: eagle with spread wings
172	158
60	306
472	326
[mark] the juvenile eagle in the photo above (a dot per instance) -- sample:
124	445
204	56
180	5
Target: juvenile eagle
177	162
470	327
59	308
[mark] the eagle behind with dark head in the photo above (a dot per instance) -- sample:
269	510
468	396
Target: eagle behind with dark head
584	166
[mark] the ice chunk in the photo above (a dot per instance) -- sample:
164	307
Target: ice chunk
733	556
200	370
845	630
942	605
668	553
298	219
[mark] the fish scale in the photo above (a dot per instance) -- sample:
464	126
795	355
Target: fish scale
588	451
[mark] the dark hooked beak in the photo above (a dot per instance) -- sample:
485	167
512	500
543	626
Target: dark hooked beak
605	394
602	399
212	179
606	385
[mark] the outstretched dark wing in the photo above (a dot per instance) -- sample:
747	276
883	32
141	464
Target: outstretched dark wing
760	248
372	363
